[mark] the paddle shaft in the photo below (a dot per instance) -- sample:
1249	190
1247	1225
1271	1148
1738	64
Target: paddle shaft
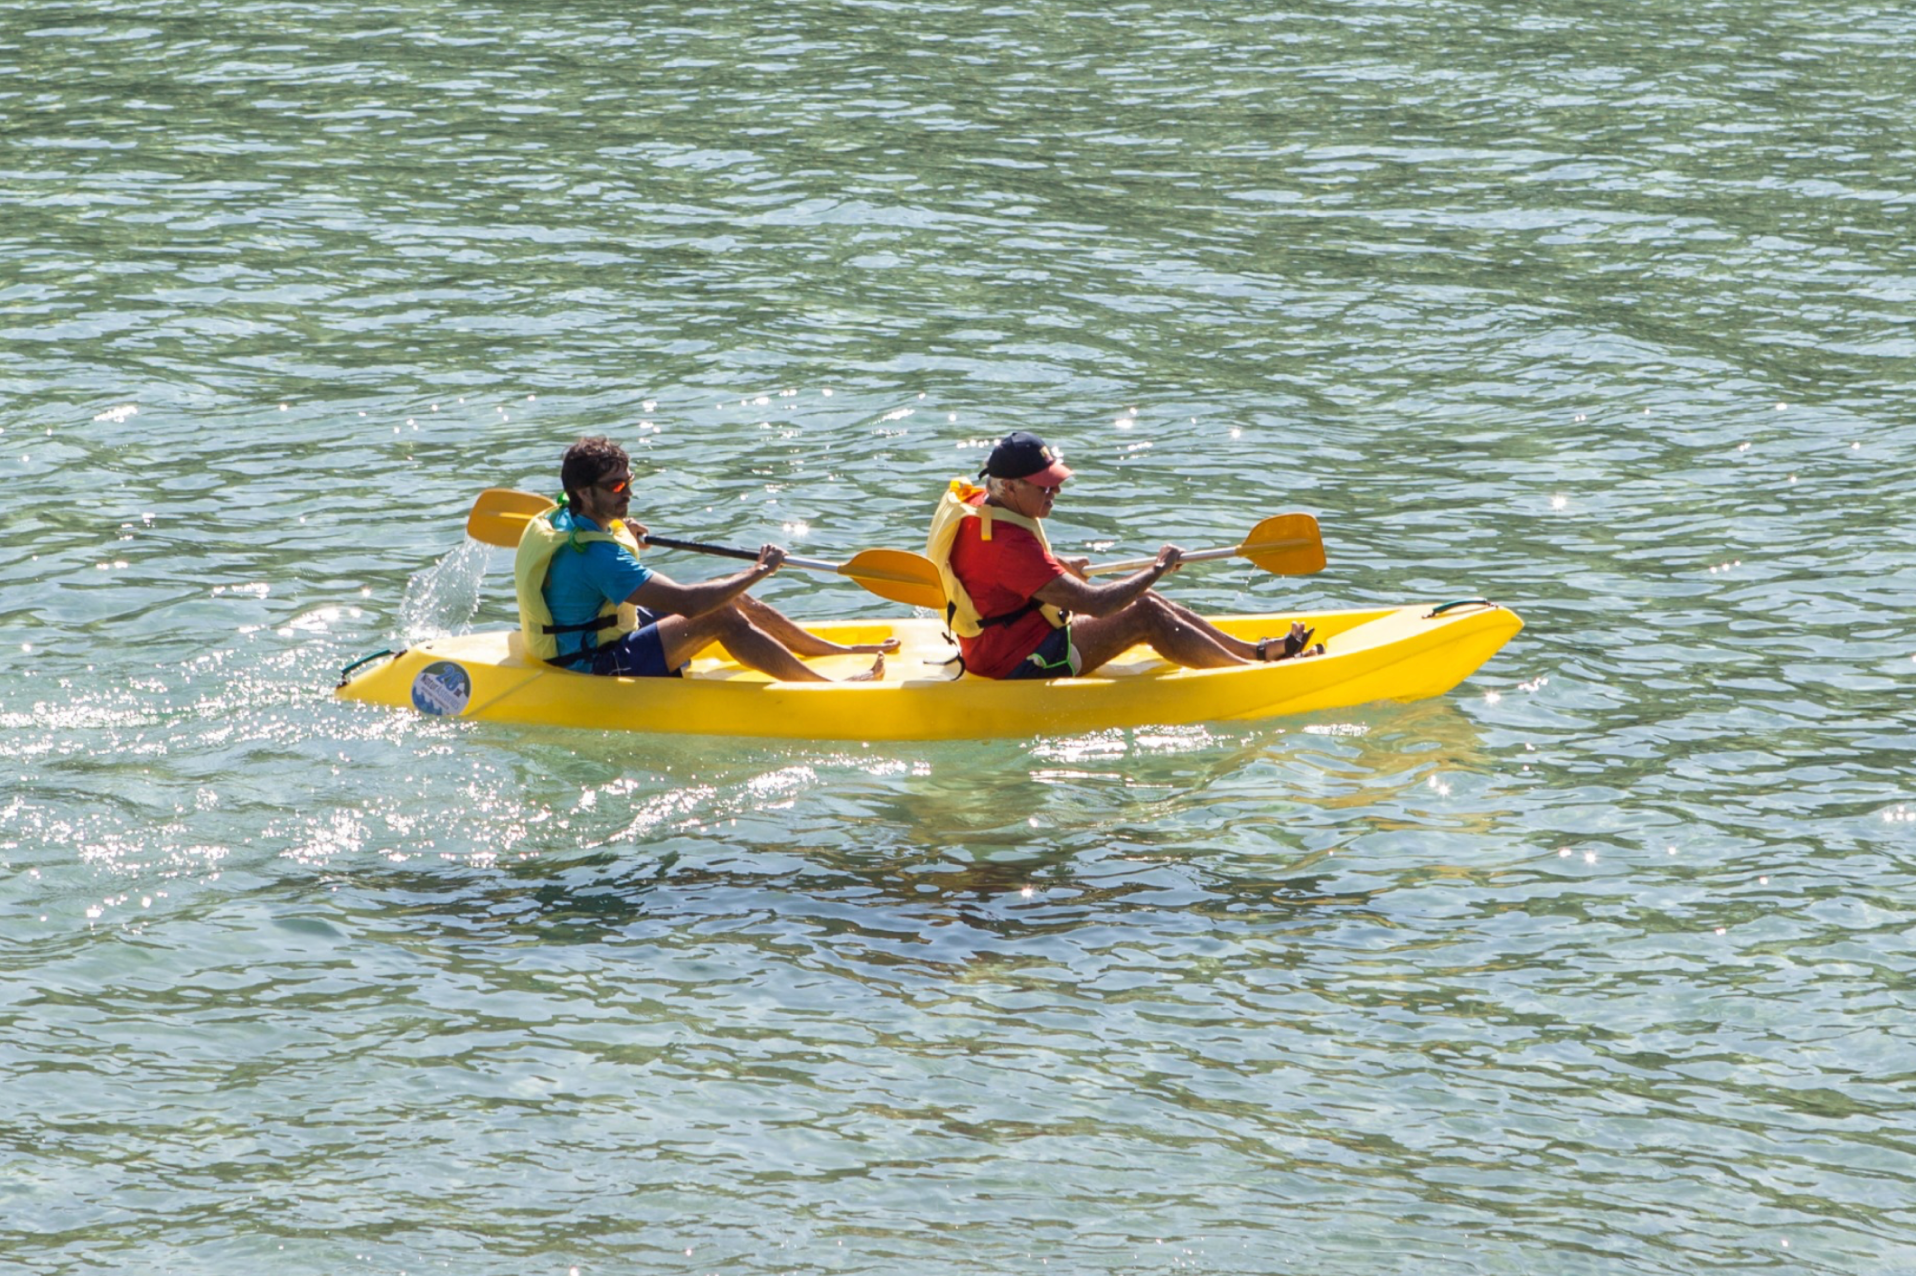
1139	564
726	551
499	517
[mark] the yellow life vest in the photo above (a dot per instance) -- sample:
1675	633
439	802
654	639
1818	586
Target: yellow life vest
537	544
953	509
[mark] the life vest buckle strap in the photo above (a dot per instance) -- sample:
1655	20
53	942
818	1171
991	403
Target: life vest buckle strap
1017	613
583	627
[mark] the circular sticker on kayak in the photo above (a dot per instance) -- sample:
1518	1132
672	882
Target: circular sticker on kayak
442	688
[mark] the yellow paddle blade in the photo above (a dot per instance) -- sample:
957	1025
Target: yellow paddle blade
1287	544
899	575
500	515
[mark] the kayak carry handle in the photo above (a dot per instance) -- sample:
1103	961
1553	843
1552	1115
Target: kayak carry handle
1435	612
345	675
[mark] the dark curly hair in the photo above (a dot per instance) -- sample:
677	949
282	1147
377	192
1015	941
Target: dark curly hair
588	461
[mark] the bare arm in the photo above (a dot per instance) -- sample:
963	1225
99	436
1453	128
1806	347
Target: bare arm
663	594
1081	596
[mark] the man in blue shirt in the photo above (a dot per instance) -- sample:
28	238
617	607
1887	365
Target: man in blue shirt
676	620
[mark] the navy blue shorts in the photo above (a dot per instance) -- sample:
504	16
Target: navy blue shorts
640	654
1054	658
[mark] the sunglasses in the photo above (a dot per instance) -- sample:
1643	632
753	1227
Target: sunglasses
1048	491
616	487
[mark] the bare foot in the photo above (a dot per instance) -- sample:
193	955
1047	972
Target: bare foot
872	648
875	674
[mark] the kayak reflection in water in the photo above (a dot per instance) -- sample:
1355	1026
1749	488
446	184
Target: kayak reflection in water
607	613
1018	611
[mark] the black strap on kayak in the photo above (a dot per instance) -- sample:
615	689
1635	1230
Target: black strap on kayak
578	657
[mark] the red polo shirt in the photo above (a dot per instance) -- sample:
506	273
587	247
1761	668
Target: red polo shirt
1001	575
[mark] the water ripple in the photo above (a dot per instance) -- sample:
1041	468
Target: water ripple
1599	963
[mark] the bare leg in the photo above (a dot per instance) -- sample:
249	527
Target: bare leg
803	641
746	643
1236	646
1274	649
1151	620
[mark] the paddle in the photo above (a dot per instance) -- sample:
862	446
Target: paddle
1284	544
499	517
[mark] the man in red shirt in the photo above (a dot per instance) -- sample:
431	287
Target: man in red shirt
1021	592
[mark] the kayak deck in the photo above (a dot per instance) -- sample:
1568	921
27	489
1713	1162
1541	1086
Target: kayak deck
1388	653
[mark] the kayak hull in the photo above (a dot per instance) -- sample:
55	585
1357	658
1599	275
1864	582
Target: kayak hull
1372	654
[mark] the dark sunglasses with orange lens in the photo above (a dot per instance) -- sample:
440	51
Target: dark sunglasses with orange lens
617	485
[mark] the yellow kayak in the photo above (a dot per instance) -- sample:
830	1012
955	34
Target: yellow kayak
1387	653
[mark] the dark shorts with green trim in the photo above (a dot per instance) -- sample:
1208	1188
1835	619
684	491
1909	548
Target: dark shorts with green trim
640	654
1054	658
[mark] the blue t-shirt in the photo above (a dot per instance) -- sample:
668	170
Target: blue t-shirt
579	583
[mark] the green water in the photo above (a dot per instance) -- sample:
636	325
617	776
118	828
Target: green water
1601	963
